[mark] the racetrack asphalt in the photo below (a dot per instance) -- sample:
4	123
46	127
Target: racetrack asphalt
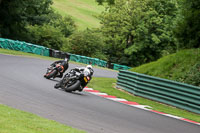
22	86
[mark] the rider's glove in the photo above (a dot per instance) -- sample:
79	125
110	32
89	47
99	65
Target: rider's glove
81	75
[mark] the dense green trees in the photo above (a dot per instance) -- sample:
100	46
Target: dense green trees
88	43
140	31
137	31
188	29
15	14
132	32
34	21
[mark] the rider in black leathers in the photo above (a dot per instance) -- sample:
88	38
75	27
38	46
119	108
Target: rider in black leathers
64	66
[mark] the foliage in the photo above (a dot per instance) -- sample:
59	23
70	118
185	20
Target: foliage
193	76
188	30
133	32
46	35
88	43
64	23
110	2
182	66
137	31
34	21
15	14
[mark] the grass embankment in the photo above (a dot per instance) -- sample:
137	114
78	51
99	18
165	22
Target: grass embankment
173	66
16	121
84	12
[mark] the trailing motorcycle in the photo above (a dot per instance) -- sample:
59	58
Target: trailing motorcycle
74	80
53	71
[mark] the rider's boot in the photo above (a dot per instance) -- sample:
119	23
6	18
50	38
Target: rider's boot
80	89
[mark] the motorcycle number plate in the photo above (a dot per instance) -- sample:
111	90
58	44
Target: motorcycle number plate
85	79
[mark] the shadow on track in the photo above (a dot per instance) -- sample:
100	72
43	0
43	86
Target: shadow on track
73	92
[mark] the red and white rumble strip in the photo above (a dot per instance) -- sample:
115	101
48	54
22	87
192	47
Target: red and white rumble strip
134	104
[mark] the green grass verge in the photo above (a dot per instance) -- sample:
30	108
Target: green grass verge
171	67
107	85
16	121
84	12
19	53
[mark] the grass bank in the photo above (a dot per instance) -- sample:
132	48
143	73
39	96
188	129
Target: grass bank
172	67
16	121
84	12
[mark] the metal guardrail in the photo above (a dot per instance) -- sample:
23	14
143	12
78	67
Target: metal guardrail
162	90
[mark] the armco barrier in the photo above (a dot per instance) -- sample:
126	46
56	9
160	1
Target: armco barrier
23	46
166	91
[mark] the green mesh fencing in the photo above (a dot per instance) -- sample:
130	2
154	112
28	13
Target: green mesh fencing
120	67
96	61
41	50
24	47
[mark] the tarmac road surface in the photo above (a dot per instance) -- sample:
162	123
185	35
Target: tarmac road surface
22	86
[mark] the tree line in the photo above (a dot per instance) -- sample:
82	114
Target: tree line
132	32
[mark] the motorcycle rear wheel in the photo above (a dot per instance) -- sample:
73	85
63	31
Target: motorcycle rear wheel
51	74
73	87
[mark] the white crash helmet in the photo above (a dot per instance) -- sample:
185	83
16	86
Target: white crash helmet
89	66
66	59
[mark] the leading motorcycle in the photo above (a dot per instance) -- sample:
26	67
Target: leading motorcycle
53	71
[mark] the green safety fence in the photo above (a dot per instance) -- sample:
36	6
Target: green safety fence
24	47
96	61
120	67
88	60
170	92
41	50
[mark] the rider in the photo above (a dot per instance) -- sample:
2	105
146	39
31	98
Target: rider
85	71
63	66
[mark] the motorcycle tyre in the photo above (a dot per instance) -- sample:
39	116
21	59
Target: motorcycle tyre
73	87
52	74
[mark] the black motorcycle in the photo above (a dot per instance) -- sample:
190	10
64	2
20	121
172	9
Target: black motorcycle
74	80
53	71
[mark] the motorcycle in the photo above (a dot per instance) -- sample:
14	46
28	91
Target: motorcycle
74	80
53	71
